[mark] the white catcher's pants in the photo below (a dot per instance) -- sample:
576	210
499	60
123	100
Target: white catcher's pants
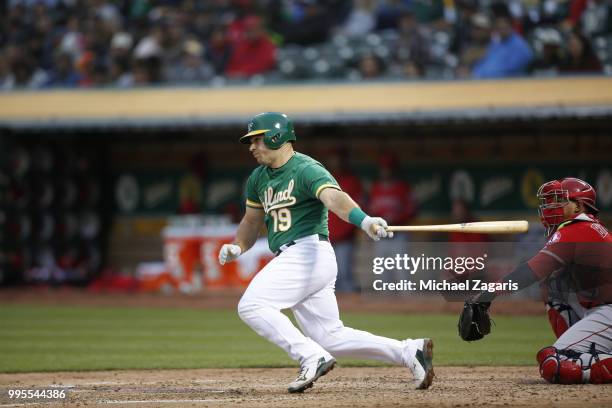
595	327
302	278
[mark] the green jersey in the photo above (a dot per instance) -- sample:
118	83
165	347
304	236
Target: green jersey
289	195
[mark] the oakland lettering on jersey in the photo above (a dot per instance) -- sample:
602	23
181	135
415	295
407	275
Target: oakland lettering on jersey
280	199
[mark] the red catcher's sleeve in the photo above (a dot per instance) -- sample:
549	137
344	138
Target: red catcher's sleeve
558	252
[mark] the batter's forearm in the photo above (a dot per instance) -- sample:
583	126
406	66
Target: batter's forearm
247	234
338	202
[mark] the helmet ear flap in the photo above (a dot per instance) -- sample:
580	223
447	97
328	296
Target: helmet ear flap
273	140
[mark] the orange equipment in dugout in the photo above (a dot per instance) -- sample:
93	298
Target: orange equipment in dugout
190	256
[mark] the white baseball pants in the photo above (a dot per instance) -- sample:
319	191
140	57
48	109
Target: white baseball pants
302	278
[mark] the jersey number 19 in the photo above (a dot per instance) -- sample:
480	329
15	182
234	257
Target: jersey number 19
282	219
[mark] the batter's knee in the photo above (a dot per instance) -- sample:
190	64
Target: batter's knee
245	309
557	368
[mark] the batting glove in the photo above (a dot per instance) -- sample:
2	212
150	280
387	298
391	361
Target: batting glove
376	228
228	253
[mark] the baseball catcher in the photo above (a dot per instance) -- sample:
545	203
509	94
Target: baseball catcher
575	272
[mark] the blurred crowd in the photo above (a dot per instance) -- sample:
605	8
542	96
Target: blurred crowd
121	43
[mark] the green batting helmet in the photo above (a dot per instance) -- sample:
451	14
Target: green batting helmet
276	127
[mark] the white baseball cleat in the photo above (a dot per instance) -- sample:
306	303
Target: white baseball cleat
420	362
309	372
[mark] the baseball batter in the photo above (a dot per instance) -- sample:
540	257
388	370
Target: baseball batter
575	269
291	193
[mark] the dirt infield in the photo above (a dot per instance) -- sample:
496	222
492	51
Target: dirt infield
354	387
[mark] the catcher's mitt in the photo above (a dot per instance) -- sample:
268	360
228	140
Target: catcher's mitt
474	322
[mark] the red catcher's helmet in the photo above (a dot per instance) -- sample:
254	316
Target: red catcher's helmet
555	194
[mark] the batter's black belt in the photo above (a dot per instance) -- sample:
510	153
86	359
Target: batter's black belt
291	243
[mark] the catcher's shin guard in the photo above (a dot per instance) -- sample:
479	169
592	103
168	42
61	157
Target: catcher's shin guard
544	353
601	371
556	369
560	316
600	365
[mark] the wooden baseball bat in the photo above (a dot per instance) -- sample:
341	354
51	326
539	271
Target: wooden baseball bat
485	227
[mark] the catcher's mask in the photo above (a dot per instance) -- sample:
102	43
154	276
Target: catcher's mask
556	194
276	128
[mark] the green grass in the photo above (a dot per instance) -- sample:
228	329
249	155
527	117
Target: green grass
52	338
